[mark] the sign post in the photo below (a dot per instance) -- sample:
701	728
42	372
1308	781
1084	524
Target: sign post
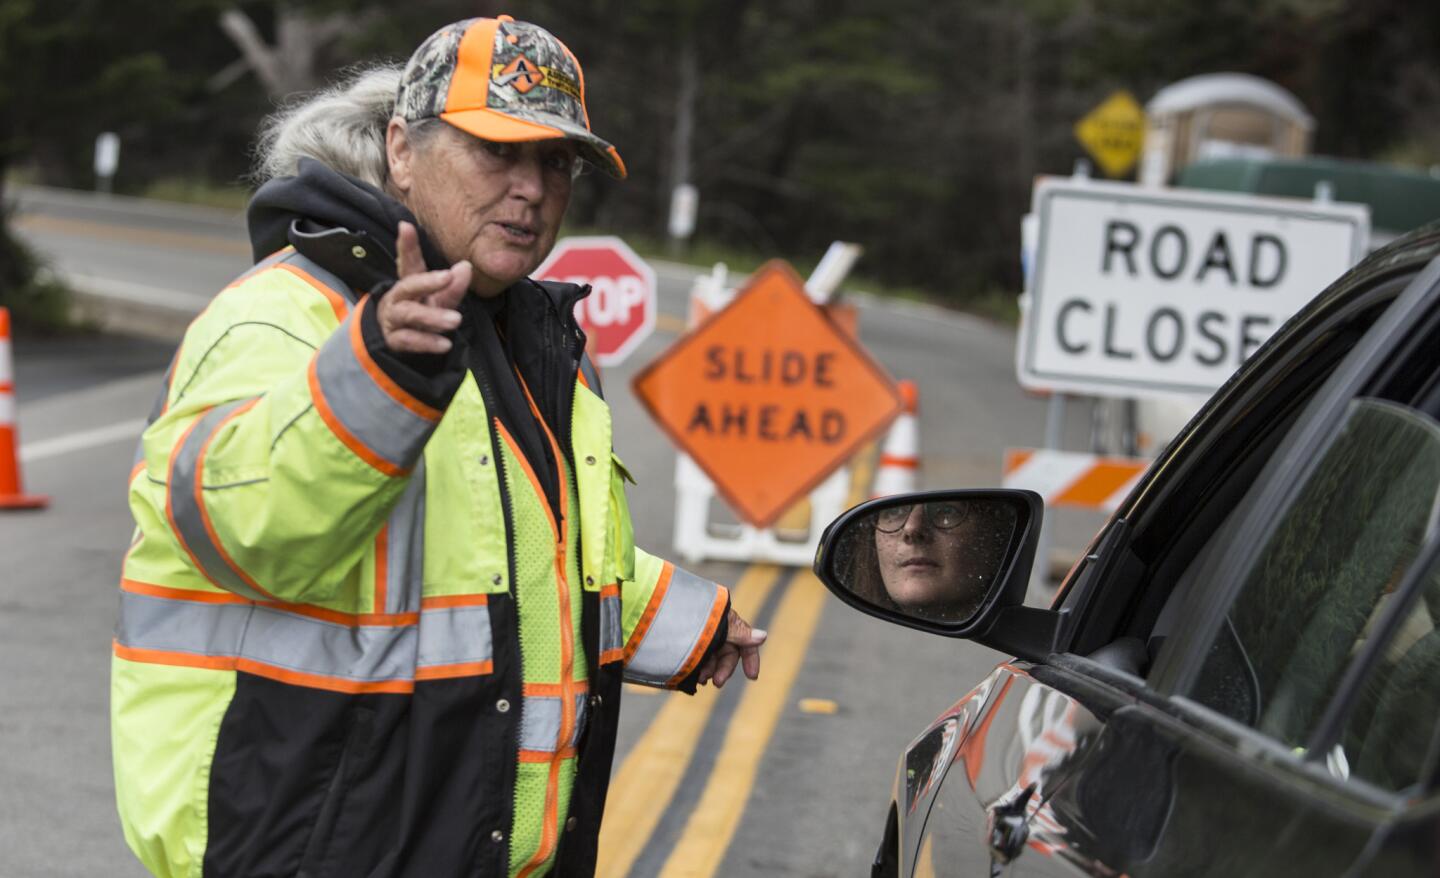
107	160
768	396
620	311
1143	292
684	205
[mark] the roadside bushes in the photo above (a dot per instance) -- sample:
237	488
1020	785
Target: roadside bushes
28	287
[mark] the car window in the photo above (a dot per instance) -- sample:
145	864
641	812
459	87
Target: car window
1391	731
1308	601
1204	482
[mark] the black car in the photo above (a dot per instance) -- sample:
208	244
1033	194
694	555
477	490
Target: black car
1241	676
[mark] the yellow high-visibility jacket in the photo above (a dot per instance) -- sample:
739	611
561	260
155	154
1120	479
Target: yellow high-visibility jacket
355	638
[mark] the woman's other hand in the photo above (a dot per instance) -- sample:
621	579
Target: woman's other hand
423	305
741	646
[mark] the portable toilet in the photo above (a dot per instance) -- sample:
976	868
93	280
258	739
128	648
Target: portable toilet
1220	115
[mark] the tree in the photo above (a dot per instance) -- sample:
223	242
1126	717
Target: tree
304	33
914	127
69	71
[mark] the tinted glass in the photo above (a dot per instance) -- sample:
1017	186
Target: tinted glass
1391	731
1308	603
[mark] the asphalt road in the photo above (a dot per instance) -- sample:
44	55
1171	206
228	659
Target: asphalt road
790	776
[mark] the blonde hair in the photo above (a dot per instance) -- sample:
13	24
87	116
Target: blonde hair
342	126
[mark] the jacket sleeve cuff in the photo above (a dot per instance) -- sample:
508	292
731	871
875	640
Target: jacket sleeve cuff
676	630
722	632
430	378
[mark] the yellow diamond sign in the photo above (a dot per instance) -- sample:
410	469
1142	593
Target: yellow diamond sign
1113	132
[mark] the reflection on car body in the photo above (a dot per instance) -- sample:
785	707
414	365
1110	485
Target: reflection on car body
1239	677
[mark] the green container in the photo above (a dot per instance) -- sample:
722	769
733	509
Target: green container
1399	199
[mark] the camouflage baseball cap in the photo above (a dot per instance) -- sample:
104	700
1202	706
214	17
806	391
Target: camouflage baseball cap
503	80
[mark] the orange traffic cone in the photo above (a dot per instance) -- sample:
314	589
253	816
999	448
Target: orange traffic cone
900	456
12	496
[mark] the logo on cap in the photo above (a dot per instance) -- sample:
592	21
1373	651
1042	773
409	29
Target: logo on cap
519	74
523	75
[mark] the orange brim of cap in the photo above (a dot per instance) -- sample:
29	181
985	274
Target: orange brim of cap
501	127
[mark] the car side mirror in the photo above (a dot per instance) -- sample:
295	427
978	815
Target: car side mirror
955	563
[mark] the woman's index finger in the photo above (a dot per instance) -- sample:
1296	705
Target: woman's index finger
408	258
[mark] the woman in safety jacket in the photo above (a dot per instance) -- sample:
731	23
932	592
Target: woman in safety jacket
384	590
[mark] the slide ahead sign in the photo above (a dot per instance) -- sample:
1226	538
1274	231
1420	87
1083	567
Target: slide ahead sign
1139	291
768	395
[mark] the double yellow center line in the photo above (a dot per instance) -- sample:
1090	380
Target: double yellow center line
647	780
643	788
712	824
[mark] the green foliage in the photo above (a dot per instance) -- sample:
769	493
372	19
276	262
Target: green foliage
71	70
35	296
915	129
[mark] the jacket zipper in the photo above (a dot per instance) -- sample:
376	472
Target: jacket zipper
549	829
507	513
563	447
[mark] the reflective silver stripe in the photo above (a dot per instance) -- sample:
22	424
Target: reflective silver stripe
592	377
675	631
158	408
181	626
284	254
582	701
405	548
295	642
185	507
612	632
300	643
328	278
455	635
289	641
540	722
370	414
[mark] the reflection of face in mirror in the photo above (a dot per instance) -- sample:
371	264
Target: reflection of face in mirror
935	560
921	552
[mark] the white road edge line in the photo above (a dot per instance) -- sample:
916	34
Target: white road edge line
82	440
188	303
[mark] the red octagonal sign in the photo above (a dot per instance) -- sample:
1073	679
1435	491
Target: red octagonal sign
620	311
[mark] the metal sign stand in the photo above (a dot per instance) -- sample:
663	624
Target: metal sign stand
697	538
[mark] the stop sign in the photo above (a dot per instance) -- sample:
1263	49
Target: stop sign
620	311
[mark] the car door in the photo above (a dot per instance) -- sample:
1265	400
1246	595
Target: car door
1224	717
1121	755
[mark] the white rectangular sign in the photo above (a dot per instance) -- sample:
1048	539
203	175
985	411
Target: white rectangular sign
1140	291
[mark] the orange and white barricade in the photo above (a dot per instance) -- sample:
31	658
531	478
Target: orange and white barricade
697	538
1069	478
12	494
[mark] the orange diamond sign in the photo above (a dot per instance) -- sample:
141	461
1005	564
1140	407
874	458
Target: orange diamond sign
768	395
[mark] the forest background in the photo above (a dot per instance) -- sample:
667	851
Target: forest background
914	128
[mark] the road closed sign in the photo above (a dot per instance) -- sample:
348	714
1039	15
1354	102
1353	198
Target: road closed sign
620	311
768	395
1139	291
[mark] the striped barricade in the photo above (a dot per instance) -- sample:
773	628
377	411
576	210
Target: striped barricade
1069	478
